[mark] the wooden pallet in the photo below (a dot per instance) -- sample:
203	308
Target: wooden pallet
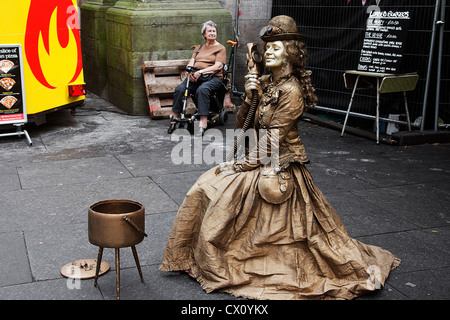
161	79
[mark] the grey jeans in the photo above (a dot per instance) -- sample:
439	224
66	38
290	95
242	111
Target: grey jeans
202	95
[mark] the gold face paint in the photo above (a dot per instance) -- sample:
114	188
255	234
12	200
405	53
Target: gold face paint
274	55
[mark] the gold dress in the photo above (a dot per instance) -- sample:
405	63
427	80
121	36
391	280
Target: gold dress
232	240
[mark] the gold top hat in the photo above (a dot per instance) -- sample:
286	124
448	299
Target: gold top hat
280	28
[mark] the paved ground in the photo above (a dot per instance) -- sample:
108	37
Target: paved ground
391	196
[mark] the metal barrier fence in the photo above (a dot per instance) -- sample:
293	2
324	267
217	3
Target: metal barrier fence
335	30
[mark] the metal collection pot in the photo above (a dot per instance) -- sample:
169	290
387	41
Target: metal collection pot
116	224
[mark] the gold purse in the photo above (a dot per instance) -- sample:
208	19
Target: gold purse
275	187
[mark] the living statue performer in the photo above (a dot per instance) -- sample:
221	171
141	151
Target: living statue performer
262	229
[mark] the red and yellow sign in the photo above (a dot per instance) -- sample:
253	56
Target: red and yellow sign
49	34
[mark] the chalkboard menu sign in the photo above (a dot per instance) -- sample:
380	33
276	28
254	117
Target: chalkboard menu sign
384	41
12	95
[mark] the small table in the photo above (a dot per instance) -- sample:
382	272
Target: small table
383	83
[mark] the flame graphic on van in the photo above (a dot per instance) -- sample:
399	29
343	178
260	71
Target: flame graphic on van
38	23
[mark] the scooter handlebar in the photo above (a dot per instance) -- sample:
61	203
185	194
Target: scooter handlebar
190	68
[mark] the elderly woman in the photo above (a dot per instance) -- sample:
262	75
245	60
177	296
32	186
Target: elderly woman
262	229
210	57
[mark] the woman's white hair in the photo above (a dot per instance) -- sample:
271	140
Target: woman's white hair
208	23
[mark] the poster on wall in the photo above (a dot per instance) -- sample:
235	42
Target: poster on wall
384	41
12	89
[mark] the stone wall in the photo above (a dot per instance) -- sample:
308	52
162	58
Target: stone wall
255	14
93	42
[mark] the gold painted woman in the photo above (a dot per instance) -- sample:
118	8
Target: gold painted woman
262	229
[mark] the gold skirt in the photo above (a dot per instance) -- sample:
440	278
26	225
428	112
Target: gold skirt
232	240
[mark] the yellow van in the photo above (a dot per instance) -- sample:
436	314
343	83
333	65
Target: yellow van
48	33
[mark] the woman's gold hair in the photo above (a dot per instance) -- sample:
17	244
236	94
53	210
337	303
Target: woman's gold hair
297	55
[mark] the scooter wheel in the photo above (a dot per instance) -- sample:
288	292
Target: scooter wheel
172	127
190	127
223	118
